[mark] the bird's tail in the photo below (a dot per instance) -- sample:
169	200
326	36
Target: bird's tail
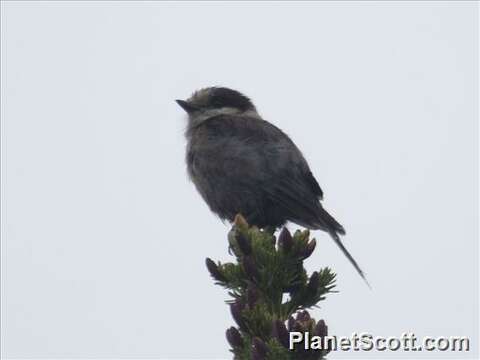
350	258
332	226
328	222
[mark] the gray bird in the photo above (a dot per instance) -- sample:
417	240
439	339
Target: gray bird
243	164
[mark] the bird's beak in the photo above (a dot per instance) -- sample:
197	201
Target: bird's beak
188	107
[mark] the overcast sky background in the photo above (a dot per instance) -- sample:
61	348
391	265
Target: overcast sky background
103	236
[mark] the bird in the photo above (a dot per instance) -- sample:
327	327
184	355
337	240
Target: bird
242	164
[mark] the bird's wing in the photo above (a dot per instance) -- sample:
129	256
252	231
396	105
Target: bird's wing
314	184
260	155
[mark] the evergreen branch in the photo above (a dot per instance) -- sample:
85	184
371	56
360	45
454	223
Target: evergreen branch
264	272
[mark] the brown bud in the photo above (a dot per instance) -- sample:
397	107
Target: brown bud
250	268
308	249
244	244
214	271
236	309
302	236
260	349
321	329
285	240
280	332
298	326
240	222
312	285
303	316
234	337
252	296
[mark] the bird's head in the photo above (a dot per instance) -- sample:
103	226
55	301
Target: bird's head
213	101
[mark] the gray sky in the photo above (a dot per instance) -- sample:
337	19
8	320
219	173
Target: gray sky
103	236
